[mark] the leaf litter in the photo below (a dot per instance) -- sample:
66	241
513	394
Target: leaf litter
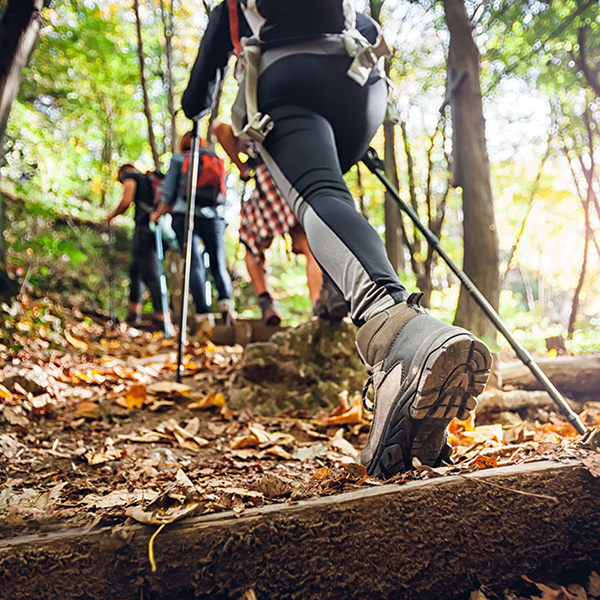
94	431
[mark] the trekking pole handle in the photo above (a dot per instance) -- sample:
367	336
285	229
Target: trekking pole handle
376	166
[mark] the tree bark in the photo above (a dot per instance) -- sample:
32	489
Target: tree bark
147	110
471	172
19	30
168	26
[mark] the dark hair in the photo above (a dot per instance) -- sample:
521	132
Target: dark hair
125	169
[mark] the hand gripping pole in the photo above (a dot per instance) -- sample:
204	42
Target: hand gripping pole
375	165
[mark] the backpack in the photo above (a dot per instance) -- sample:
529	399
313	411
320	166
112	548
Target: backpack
271	20
210	185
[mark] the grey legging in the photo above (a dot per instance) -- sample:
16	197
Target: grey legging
324	123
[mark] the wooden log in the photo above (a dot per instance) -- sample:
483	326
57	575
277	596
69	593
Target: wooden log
572	375
426	539
514	400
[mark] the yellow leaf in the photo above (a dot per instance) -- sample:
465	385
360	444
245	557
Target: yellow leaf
352	416
210	401
135	398
4	393
79	344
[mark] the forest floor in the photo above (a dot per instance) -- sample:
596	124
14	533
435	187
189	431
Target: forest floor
94	431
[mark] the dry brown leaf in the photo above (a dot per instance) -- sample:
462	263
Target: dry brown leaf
322	474
593	586
552	591
87	409
484	462
352	416
168	387
98	458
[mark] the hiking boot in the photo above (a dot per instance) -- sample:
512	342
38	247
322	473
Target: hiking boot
227	312
158	324
424	373
330	305
269	310
134	319
271	317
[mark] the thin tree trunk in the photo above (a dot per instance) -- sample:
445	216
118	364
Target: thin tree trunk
19	30
147	110
576	294
395	234
168	28
471	172
534	189
361	192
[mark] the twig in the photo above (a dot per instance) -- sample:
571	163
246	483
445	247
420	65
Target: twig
502	487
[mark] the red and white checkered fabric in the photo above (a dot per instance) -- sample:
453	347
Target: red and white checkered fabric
264	215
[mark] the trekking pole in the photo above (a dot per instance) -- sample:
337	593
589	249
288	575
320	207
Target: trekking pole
160	255
111	276
375	165
187	259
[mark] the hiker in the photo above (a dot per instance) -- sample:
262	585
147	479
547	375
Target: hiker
263	216
138	190
314	97
209	224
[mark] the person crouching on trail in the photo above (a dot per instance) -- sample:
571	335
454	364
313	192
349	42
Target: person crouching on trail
137	190
209	224
314	95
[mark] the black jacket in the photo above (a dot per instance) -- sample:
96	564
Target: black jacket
215	47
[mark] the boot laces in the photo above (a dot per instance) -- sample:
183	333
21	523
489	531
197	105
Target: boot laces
367	404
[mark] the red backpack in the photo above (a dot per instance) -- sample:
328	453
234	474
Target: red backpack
210	185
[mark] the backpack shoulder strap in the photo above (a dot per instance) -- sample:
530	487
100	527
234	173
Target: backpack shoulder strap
234	27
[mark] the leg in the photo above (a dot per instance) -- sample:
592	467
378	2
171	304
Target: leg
257	274
148	264
424	372
212	232
314	275
197	271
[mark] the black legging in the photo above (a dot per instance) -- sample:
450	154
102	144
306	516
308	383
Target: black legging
324	122
144	268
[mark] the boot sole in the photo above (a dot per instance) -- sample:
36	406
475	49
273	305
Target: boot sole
446	386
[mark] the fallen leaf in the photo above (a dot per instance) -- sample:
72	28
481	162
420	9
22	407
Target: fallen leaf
210	401
135	397
98	458
79	344
4	393
87	409
168	387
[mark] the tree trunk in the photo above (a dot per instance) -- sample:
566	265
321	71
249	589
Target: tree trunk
147	110
168	26
471	171
394	233
19	31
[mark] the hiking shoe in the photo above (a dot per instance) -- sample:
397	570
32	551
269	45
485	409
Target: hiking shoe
133	319
330	305
424	373
227	311
269	310
271	317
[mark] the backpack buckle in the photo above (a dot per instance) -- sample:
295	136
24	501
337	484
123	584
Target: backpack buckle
258	127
